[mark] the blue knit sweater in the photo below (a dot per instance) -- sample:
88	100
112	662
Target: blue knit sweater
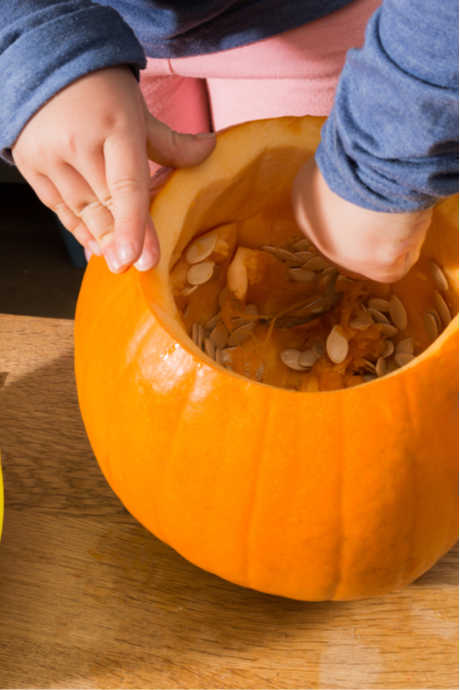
391	140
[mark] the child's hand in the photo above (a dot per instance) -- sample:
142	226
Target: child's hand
85	155
380	246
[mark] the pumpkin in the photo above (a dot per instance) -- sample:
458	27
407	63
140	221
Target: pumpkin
341	494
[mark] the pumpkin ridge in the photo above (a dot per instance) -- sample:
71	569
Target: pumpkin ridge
411	546
251	516
172	457
340	429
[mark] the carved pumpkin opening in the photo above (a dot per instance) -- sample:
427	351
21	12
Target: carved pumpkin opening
257	299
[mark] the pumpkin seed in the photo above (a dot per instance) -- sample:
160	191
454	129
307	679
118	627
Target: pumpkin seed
378	316
438	319
388	349
387	329
218	356
201	248
403	358
337	345
431	325
439	276
303	256
362	321
381	367
259	375
301	275
316	263
187	291
209	348
200	273
391	366
308	358
291	358
328	278
241	334
213	321
302	244
379	304
406	345
442	308
342	282
219	335
238	321
282	254
398	313
226	355
198	334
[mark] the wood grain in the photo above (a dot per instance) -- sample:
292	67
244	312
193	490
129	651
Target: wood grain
90	599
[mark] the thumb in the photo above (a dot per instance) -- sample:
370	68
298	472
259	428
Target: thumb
176	150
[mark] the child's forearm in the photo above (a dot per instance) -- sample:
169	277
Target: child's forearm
390	142
45	45
389	147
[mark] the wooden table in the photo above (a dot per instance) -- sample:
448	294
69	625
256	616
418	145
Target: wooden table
90	599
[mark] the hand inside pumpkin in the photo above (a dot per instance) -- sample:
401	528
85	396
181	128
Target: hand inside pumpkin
380	246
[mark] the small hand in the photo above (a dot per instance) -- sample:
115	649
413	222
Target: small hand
380	246
85	153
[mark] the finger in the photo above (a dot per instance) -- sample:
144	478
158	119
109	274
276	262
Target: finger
127	176
151	250
91	167
173	149
82	200
49	195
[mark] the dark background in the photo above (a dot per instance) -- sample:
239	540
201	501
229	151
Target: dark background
38	275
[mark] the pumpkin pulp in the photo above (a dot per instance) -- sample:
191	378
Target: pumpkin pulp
254	308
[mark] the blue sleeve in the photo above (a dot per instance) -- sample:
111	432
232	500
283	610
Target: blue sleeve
47	44
391	140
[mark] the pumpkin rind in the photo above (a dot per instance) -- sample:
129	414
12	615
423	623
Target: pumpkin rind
336	495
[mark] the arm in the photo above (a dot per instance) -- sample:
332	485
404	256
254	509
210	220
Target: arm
389	146
45	45
75	123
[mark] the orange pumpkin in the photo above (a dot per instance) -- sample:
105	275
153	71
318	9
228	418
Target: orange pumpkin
309	495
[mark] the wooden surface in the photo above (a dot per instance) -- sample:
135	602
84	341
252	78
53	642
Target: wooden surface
89	599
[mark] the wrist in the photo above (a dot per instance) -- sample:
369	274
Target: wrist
380	246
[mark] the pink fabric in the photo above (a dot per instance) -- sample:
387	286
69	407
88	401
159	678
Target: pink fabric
293	73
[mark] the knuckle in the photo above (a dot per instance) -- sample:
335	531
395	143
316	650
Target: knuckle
60	208
126	185
85	208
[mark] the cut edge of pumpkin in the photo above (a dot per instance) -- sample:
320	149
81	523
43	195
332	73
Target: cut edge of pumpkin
191	181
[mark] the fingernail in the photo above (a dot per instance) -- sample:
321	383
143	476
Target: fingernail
94	248
145	262
112	260
127	252
206	135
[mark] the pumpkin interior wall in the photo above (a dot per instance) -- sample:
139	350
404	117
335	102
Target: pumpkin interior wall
258	201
